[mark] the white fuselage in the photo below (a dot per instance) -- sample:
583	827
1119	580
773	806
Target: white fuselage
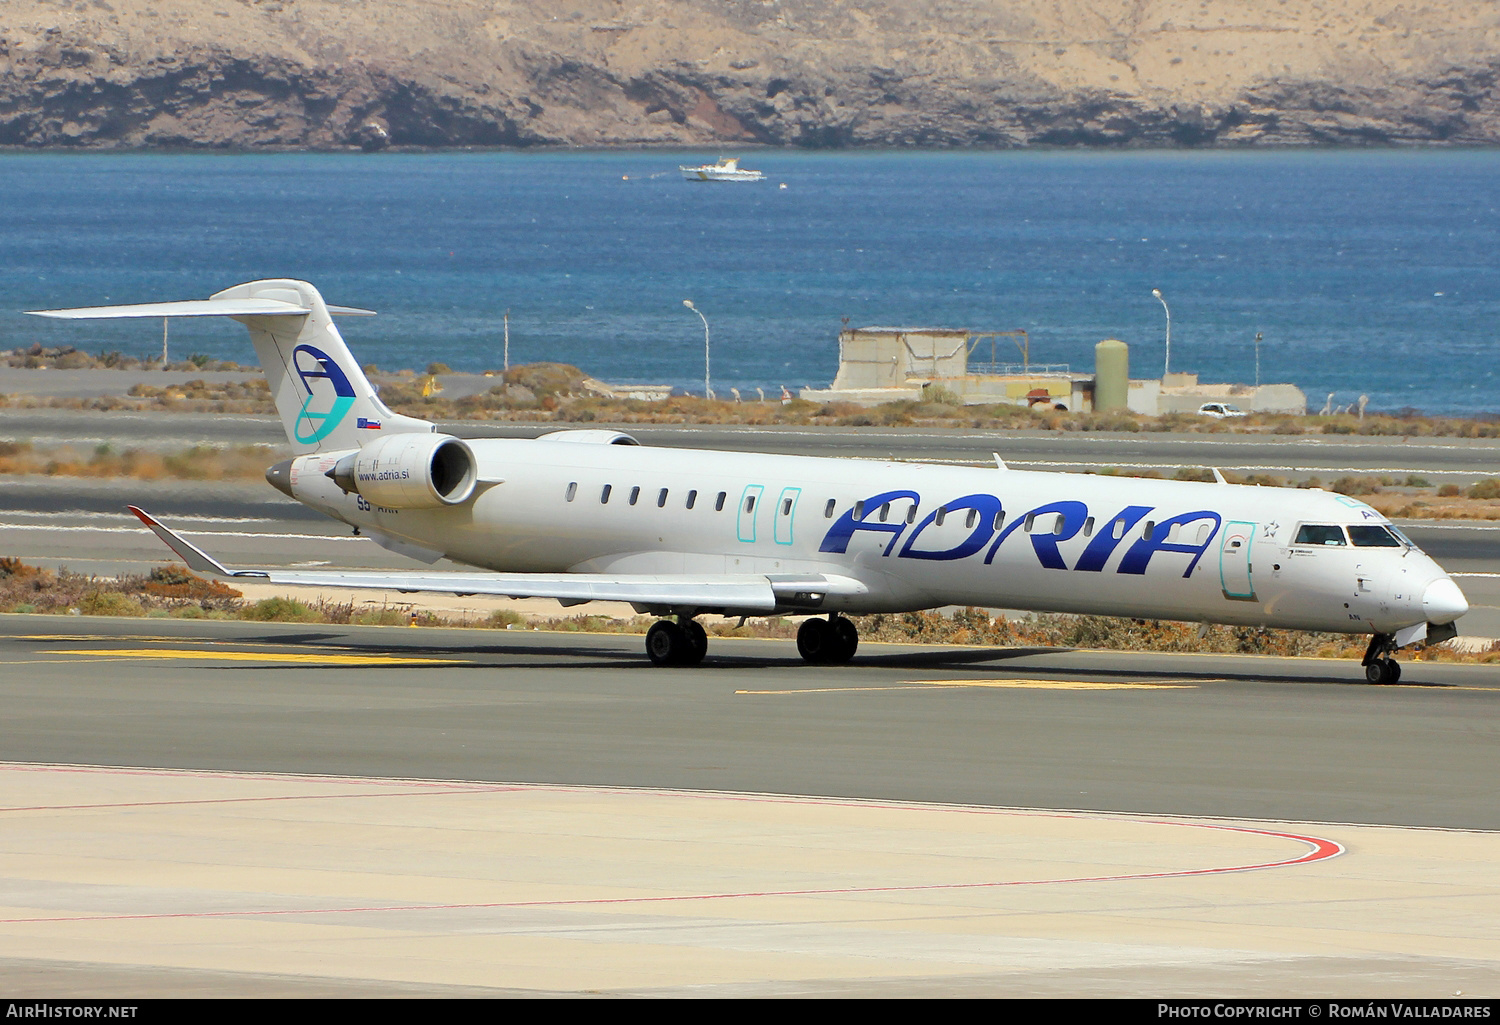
1004	538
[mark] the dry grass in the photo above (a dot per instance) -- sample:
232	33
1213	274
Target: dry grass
202	462
563	394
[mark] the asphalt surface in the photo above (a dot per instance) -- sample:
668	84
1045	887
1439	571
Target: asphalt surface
1441	460
1274	741
1283	739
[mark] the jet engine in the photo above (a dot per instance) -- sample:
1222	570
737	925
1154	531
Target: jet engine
410	471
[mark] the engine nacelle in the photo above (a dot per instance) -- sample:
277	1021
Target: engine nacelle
410	471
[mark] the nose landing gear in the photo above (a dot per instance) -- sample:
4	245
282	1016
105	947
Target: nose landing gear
827	642
683	643
1379	666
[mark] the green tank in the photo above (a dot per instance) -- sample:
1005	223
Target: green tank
1111	375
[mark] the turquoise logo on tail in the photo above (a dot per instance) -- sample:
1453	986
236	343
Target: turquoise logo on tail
321	412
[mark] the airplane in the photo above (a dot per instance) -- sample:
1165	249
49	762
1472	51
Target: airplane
592	515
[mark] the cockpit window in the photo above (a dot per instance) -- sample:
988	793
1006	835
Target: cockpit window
1371	536
1320	534
1400	536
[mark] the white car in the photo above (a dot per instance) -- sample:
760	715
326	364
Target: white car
1219	410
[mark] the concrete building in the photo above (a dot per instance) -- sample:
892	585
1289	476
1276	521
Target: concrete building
889	364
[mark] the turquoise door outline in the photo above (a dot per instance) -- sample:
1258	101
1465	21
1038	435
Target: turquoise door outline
749	511
785	514
1234	561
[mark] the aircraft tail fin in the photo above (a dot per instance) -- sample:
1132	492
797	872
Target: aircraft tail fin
324	399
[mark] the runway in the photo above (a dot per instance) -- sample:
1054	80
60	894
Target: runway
385	810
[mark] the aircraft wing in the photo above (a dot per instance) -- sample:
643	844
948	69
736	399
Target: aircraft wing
741	592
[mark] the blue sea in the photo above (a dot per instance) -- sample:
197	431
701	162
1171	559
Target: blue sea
1365	272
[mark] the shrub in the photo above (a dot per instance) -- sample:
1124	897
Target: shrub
1357	486
1486	489
280	610
109	603
1449	491
503	619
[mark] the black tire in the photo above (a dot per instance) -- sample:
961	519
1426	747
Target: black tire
815	641
1375	671
697	643
666	643
846	637
1393	671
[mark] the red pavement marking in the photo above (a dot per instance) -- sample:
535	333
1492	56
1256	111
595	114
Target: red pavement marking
1319	849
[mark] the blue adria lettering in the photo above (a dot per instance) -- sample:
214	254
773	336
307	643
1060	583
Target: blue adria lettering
1047	527
842	532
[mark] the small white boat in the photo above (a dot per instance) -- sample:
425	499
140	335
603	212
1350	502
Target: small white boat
726	170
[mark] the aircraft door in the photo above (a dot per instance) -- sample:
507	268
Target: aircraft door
749	512
1234	561
786	508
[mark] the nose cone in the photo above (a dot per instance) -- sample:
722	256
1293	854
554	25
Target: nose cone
280	478
1443	602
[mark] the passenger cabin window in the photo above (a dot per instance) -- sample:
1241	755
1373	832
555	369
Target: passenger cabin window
1320	534
911	513
828	509
719	502
786	507
1088	527
635	495
999	518
859	510
1117	529
572	490
661	499
941	515
749	503
1371	536
885	512
1029	523
604	494
1149	530
692	499
971	519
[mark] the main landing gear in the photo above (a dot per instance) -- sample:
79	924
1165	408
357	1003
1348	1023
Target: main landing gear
1379	666
823	642
827	642
683	643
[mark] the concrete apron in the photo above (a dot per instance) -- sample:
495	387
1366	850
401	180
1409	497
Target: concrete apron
165	882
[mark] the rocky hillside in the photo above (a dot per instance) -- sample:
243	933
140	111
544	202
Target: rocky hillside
997	73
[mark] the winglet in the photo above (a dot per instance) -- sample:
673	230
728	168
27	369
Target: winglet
196	558
999	463
1217	475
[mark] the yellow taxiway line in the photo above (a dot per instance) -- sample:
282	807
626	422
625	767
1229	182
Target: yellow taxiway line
1005	684
250	656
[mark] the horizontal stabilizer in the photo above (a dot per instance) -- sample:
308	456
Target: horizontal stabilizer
249	307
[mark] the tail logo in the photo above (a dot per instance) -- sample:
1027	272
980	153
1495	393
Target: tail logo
329	395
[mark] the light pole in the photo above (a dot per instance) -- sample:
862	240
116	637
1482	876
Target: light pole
1167	369
1257	360
708	392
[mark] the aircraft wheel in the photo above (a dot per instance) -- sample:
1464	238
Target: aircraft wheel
1383	670
1392	670
667	644
847	637
816	640
697	642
